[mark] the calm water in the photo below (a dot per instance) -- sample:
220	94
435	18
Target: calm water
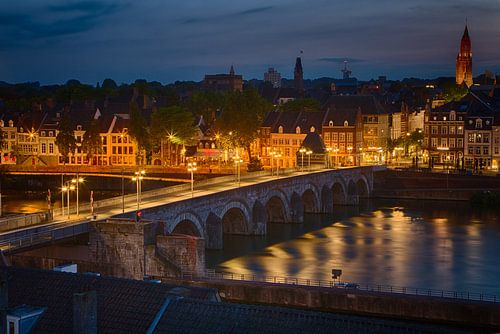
439	245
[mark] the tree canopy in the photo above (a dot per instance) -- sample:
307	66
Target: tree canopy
65	139
91	143
307	105
241	118
174	122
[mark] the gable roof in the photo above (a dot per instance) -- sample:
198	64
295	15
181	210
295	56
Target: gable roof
123	305
367	104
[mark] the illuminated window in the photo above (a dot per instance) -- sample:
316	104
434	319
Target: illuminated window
280	129
297	129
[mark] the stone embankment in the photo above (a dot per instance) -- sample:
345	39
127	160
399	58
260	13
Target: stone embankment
434	186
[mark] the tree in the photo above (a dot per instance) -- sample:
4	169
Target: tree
138	130
91	143
206	104
174	122
307	105
65	139
242	117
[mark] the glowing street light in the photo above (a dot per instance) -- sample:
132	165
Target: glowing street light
238	161
66	189
77	181
278	156
302	151
191	169
138	177
328	151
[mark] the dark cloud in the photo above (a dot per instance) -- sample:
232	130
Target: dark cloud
339	60
70	18
226	16
255	10
95	7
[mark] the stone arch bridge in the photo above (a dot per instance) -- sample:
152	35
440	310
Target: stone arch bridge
248	209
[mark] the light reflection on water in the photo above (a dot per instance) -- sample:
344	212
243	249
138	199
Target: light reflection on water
426	244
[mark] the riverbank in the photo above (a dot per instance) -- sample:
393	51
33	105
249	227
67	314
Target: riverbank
431	186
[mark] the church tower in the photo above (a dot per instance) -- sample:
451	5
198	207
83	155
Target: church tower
464	60
298	76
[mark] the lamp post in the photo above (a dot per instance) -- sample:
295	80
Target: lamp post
76	181
62	195
309	160
67	188
328	151
278	156
271	154
302	151
238	161
192	168
139	176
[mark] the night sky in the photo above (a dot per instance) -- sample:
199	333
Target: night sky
52	41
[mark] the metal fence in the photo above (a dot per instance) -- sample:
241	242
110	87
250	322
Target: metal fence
460	295
42	237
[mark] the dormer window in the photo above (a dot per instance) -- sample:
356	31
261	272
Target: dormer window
346	123
312	129
43	133
453	115
11	123
280	129
51	134
444	118
479	123
1	123
297	129
78	128
330	123
125	130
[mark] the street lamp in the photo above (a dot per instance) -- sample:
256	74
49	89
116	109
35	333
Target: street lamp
302	151
272	154
309	159
278	156
67	188
238	161
191	169
76	181
328	151
139	176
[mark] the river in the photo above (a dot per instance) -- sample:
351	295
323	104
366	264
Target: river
422	244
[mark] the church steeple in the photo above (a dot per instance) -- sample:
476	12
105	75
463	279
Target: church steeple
464	60
231	71
298	76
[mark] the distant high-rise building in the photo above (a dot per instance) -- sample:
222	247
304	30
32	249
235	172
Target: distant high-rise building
464	60
223	82
298	76
273	77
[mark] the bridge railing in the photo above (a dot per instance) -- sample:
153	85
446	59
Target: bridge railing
459	295
57	233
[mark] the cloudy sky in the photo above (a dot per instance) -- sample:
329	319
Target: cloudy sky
52	41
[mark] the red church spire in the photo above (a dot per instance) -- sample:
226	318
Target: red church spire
464	60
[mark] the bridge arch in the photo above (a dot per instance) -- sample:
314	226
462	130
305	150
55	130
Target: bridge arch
326	199
277	208
362	188
339	194
236	218
297	207
259	218
351	188
213	232
310	200
186	222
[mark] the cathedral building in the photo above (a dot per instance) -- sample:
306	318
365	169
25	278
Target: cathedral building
464	61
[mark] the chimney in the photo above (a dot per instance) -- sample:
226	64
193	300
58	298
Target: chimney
85	313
